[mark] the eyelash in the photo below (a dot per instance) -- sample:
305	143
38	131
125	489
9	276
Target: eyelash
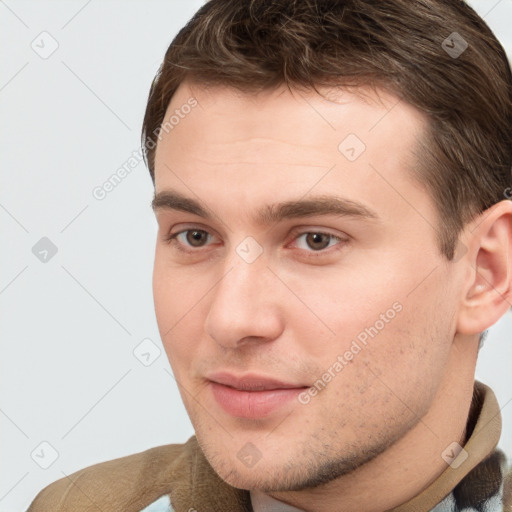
171	239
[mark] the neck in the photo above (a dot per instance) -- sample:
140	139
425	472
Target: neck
412	463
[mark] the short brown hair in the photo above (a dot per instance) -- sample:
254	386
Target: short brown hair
403	46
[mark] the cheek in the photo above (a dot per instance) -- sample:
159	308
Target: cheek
176	299
380	317
176	291
339	303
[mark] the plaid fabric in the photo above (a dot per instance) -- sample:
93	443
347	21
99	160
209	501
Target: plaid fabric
487	488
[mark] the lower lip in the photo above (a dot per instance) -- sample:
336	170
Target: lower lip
252	404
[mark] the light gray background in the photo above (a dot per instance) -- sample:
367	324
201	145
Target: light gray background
71	324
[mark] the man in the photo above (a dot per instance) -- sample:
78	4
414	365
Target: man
335	235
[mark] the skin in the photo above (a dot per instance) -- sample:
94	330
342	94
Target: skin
379	427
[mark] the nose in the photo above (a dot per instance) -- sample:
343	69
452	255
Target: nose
245	305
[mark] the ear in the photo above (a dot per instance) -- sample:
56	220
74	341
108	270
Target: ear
487	294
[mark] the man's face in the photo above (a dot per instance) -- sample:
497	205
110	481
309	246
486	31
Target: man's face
354	309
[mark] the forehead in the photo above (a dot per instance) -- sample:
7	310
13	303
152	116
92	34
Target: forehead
303	119
284	143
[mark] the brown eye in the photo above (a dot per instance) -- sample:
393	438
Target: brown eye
196	237
191	238
318	241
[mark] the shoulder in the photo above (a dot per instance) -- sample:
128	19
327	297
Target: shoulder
125	484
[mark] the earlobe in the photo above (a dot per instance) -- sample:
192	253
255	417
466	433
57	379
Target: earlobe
488	294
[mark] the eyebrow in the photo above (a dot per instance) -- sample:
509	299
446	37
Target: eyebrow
271	213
